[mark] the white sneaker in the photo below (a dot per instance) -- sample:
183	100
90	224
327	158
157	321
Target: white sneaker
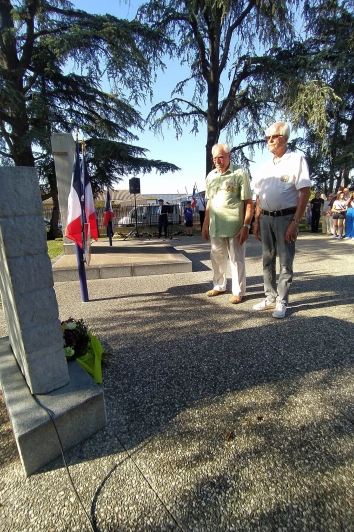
280	310
264	305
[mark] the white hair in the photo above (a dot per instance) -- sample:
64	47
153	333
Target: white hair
282	127
225	147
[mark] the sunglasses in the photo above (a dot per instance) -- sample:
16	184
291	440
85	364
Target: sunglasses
273	137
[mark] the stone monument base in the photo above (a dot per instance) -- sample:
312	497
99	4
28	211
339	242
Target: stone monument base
77	408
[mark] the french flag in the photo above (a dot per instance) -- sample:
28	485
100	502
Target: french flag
74	224
90	212
108	211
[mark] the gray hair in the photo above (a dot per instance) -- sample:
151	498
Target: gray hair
283	128
225	147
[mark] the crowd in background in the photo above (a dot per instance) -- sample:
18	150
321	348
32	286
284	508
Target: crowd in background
336	212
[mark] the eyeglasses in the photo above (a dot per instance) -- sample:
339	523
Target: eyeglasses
222	157
270	137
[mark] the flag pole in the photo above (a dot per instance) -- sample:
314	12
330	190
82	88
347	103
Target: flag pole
80	255
110	232
82	273
82	201
80	252
74	228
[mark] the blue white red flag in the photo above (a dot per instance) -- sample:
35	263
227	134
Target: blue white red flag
108	211
74	226
194	201
90	212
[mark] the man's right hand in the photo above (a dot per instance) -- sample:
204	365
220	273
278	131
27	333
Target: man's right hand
257	230
205	232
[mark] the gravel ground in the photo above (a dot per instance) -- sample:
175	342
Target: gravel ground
219	418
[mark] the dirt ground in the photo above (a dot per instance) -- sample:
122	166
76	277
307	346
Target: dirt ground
8	449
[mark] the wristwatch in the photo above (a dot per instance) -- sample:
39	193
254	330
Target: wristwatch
296	220
246	225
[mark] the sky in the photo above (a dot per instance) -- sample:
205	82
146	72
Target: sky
188	152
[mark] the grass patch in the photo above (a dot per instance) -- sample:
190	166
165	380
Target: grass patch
55	247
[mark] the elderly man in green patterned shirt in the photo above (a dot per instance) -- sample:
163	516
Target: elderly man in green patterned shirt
228	217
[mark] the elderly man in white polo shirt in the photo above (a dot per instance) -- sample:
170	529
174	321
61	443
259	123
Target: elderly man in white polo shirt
282	186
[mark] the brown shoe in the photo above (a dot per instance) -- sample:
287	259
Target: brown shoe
235	299
213	293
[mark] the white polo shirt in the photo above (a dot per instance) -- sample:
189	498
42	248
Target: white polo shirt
201	204
278	183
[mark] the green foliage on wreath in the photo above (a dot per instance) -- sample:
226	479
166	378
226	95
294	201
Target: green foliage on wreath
76	338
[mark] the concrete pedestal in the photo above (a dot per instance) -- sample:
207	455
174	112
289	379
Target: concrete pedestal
77	408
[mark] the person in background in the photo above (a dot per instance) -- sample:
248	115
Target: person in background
228	217
200	208
339	209
332	200
346	198
308	215
346	194
162	219
349	219
282	186
326	217
316	209
188	218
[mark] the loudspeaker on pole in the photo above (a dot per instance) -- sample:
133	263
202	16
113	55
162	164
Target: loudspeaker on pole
134	185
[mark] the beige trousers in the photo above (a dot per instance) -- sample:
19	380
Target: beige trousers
223	249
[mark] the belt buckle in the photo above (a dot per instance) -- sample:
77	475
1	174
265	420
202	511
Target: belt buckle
273	214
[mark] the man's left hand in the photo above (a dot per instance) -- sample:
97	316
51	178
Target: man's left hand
243	235
205	231
291	234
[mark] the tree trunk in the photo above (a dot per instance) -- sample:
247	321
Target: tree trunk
213	84
213	120
20	139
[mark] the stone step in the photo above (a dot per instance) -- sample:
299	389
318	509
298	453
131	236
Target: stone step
123	259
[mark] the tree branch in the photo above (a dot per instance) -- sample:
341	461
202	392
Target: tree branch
230	32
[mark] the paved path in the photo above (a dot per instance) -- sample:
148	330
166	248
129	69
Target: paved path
219	418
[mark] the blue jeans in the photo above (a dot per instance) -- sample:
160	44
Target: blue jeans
273	232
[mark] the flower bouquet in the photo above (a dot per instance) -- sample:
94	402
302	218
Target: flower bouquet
82	346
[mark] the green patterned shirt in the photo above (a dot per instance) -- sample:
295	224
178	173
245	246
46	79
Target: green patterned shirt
226	194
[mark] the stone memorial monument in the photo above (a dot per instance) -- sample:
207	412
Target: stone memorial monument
63	146
26	283
32	359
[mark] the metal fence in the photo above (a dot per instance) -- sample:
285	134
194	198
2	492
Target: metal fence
147	215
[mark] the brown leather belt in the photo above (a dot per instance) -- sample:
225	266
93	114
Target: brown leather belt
284	212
